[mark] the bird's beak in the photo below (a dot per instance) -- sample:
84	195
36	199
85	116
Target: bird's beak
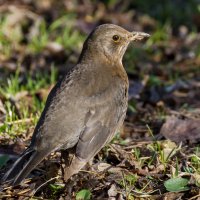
138	36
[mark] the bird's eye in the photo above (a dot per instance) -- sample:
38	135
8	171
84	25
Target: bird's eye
116	38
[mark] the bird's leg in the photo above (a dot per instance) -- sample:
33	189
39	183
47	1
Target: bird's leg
74	167
64	160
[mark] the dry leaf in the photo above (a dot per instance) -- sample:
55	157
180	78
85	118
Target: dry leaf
181	130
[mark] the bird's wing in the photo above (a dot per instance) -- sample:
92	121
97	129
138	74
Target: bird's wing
100	129
62	119
67	107
102	123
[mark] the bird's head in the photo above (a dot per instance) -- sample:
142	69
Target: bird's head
111	41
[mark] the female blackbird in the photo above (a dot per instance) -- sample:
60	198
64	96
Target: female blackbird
85	108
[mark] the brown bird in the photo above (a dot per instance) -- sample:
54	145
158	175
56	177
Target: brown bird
84	109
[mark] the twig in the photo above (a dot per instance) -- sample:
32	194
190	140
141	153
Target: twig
22	195
27	120
194	197
44	184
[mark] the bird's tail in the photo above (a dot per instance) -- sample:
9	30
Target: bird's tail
23	166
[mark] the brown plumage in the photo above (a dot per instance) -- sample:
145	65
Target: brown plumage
84	109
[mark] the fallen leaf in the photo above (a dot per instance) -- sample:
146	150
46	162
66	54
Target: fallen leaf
181	130
83	195
112	192
176	184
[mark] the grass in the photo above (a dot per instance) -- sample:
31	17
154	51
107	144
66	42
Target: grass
61	31
9	38
20	114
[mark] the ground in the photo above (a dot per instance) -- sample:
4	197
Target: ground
156	154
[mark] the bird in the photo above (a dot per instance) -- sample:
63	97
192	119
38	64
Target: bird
85	108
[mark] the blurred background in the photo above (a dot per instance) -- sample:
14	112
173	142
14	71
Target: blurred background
39	39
